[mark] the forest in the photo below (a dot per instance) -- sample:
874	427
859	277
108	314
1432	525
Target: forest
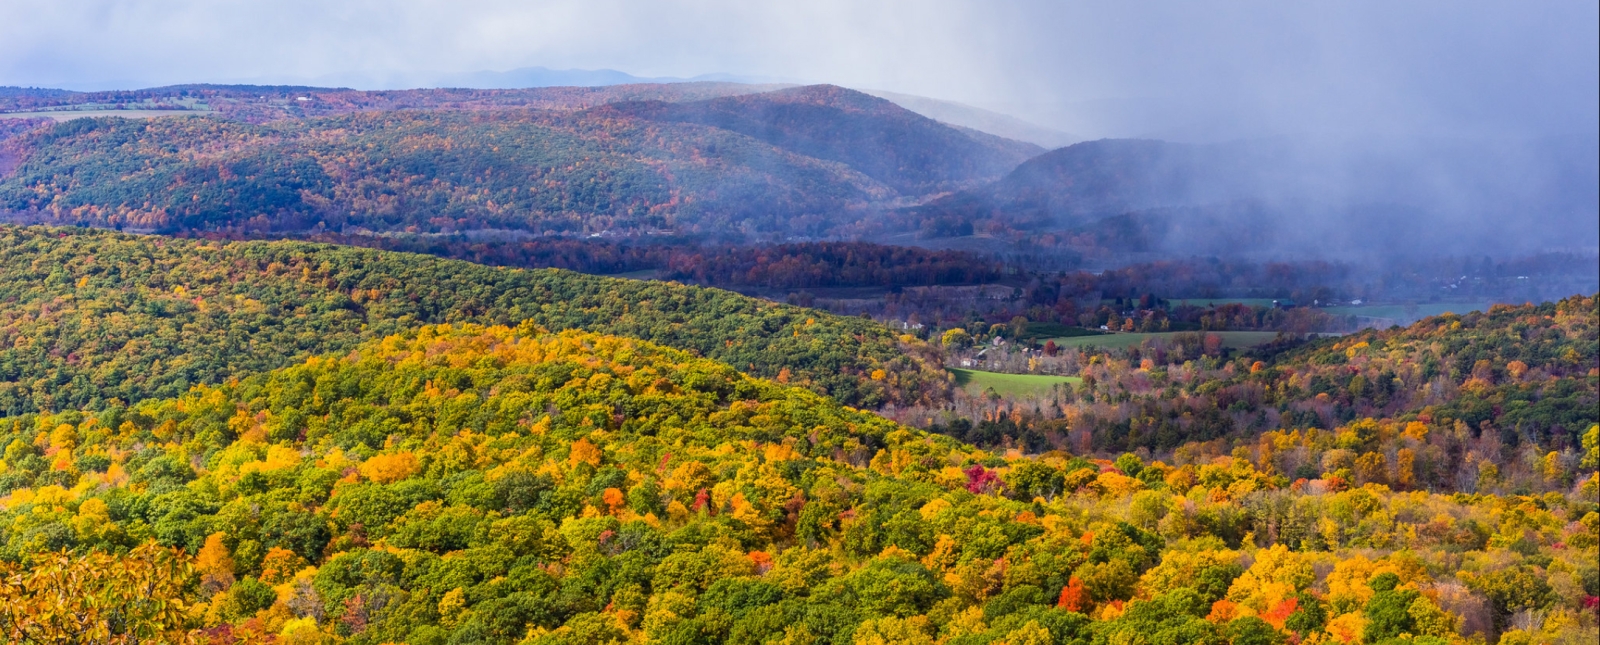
331	366
93	316
537	166
467	484
279	441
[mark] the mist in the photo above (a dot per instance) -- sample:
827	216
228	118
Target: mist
1169	70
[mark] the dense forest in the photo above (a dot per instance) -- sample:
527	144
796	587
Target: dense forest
92	316
493	485
367	389
791	163
429	171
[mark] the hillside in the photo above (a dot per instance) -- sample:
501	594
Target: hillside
1094	179
805	161
528	170
489	485
1376	199
913	154
92	316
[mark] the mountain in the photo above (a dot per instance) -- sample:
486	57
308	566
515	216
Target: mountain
1291	197
803	161
538	171
94	317
913	154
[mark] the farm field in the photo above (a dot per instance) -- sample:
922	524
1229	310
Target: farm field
1008	384
1233	339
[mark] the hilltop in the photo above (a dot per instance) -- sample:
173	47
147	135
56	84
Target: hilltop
911	153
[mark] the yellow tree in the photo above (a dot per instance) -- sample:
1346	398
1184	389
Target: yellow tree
97	598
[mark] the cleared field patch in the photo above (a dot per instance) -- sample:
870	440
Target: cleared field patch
1233	339
1008	384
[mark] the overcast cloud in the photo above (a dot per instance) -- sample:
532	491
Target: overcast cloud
1123	68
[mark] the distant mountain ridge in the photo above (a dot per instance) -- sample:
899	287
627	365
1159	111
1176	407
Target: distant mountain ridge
1285	196
538	85
810	161
909	152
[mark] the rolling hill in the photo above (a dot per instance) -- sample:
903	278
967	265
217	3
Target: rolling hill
94	316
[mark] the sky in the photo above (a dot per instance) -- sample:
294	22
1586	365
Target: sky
1175	69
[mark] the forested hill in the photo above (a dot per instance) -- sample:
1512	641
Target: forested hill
487	485
1526	373
1385	198
1096	179
806	161
91	316
911	153
425	171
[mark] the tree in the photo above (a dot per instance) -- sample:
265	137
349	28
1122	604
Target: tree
97	598
1591	447
956	338
215	565
1388	611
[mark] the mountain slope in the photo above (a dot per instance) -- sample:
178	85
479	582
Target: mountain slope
914	154
453	170
1095	179
1380	197
92	316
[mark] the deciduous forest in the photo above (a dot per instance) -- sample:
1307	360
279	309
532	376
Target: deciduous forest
711	363
303	455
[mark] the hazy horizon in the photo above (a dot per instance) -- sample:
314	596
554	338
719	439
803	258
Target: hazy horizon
1164	69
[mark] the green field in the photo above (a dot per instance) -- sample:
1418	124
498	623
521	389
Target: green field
1043	330
1233	339
1008	384
1416	312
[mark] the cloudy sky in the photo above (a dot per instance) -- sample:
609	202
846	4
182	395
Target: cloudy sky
1437	68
